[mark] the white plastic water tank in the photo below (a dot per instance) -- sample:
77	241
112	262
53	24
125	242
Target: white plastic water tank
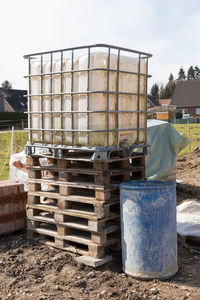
81	120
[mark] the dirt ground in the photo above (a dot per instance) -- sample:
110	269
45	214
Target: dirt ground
32	270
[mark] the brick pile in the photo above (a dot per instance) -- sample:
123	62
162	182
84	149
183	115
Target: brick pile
13	200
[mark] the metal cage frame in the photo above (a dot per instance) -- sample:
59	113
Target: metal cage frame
99	151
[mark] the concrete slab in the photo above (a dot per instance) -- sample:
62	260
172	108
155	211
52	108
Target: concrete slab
93	262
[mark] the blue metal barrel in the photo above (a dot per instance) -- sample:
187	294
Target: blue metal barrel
148	226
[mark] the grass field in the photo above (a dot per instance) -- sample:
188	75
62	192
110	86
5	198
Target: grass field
194	134
21	137
19	141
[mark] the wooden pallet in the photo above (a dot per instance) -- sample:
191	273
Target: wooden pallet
100	193
74	205
81	222
70	175
74	240
100	173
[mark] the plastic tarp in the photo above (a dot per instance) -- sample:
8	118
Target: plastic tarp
188	218
18	169
166	142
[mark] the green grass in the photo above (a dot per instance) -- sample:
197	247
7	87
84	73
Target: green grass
19	141
194	134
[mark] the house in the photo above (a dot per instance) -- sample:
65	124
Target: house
152	102
12	100
186	97
160	109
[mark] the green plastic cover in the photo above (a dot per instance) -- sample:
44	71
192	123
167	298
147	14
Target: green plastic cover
166	142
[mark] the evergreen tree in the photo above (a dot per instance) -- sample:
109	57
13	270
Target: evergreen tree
155	90
165	93
170	88
196	72
190	73
171	77
181	74
6	85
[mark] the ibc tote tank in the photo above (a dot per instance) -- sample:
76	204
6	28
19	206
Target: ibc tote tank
90	100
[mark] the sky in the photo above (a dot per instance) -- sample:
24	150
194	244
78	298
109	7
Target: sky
170	30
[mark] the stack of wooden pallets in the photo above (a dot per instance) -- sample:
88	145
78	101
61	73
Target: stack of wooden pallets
74	201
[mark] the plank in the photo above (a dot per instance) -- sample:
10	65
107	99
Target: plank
75	198
86	185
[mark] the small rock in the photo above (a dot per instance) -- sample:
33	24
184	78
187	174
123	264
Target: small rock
102	293
81	283
78	277
19	251
135	295
58	288
155	297
84	290
188	295
91	275
114	294
174	286
183	288
154	291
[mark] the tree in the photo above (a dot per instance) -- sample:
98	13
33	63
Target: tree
190	73
155	90
196	72
6	85
171	77
181	74
171	84
179	115
165	93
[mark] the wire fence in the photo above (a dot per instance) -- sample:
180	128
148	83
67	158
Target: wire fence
19	125
185	121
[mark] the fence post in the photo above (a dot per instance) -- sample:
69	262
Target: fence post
11	148
188	122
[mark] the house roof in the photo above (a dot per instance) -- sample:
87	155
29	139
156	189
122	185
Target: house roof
15	98
164	101
152	100
158	102
186	93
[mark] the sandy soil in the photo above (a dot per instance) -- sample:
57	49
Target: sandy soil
32	270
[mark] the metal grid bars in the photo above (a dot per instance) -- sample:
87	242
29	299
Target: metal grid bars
59	114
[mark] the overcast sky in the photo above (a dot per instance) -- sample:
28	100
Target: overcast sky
170	30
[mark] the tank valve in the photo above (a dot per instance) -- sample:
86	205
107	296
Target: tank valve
124	144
